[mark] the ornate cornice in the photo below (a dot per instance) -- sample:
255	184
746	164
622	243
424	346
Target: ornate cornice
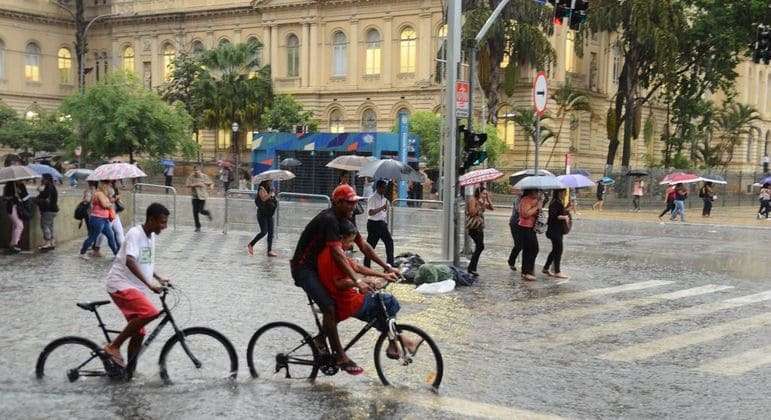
282	4
34	17
172	17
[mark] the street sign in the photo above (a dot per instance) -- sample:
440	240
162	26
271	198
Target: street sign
540	93
461	99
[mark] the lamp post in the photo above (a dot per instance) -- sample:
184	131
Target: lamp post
234	127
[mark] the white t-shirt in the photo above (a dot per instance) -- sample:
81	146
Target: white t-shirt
142	248
376	201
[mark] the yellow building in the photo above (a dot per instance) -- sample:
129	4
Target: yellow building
355	64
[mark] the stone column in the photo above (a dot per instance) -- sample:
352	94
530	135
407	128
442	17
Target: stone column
353	54
305	49
274	51
424	51
266	45
157	61
387	47
314	58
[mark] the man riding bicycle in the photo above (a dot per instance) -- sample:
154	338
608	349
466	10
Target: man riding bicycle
320	231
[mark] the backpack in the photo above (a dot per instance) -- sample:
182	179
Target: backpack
81	212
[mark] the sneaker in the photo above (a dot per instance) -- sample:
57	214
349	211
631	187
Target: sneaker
84	257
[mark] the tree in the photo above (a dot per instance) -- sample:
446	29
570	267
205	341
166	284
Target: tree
526	119
285	113
520	33
733	124
181	88
569	100
48	132
427	126
7	114
119	116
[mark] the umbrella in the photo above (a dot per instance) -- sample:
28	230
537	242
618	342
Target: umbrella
575	181
606	180
478	176
167	162
290	162
517	176
764	179
636	172
114	171
273	175
390	169
227	163
17	173
543	182
715	179
45	169
78	173
679	178
350	162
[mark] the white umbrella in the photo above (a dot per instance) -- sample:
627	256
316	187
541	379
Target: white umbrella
17	173
78	173
115	171
390	169
713	180
532	172
350	162
273	175
543	182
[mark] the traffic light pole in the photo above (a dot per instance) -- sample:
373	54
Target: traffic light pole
449	252
537	141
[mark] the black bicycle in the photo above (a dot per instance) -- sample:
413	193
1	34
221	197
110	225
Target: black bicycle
285	351
190	355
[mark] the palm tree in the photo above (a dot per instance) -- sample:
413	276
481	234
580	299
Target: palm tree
733	123
526	119
569	100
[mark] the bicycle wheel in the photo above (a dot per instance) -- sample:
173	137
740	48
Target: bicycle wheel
282	351
204	356
422	369
69	359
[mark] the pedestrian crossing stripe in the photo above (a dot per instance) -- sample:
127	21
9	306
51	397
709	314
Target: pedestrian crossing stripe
567	297
613	328
666	344
739	363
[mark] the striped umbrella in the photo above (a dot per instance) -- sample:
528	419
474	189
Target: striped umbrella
115	171
479	176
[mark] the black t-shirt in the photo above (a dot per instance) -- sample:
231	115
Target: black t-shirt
48	199
323	228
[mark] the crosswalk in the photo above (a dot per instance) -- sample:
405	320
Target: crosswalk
715	320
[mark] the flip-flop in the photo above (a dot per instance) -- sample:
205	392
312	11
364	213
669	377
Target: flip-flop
351	368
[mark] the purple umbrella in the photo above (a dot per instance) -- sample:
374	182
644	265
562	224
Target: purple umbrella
575	181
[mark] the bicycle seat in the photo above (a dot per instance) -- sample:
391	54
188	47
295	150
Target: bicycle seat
91	306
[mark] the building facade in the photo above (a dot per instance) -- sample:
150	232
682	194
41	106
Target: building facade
355	64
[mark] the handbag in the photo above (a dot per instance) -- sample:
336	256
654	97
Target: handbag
567	224
119	206
24	210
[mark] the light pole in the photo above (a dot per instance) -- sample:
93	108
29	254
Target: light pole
234	127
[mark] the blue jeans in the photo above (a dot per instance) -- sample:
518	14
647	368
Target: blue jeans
679	209
370	310
98	226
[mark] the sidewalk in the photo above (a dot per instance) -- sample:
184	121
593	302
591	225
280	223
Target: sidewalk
729	216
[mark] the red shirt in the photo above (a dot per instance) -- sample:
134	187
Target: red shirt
348	301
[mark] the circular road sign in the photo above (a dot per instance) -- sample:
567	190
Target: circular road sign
540	93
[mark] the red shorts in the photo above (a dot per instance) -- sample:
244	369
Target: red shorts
135	305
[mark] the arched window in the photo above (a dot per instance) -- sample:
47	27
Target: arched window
505	126
32	62
168	61
128	59
441	54
197	47
618	63
369	120
292	56
372	59
402	111
254	40
767	144
65	66
2	59
407	51
339	54
336	124
223	41
31	114
750	144
570	52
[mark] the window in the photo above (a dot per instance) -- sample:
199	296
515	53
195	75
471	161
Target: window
750	143
31	114
570	52
97	67
32	63
223	42
105	63
128	59
258	53
399	113
168	61
505	126
407	44
339	54
2	60
372	59
336	122
369	120
292	56
441	54
198	47
65	66
618	63
223	139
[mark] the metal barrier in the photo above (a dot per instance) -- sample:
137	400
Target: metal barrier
406	200
138	186
281	195
228	193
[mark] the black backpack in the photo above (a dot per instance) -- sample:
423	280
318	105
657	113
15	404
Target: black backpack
81	212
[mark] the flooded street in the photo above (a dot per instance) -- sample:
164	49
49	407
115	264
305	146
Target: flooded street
657	320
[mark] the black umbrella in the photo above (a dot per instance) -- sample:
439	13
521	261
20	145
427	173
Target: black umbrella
636	172
290	162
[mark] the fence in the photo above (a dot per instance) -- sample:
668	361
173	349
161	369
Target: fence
138	187
230	193
296	206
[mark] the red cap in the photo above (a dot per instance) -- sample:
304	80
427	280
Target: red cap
344	192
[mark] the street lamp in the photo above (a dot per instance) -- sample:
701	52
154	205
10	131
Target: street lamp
234	127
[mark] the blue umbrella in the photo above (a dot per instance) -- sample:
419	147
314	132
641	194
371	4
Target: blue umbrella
606	180
575	181
167	162
41	169
764	179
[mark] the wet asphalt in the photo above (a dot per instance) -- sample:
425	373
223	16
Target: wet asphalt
654	322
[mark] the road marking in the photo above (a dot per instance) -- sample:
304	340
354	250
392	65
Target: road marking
591	333
605	291
596	309
663	345
740	363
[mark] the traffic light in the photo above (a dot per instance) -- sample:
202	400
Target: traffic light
578	14
762	48
473	152
561	10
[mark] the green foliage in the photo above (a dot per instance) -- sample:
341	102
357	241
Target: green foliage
494	146
152	166
428	127
680	162
119	116
733	124
510	79
48	132
648	131
526	119
7	114
285	112
569	101
181	88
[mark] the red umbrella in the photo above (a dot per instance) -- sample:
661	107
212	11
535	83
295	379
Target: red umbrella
227	163
479	176
680	178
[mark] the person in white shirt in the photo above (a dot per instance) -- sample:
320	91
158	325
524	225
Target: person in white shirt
131	279
377	225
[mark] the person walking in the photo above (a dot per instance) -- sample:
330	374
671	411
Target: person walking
168	173
681	194
707	196
475	224
600	197
638	190
199	183
529	207
102	213
48	204
514	228
669	199
115	224
765	200
266	206
15	196
558	218
226	175
377	226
